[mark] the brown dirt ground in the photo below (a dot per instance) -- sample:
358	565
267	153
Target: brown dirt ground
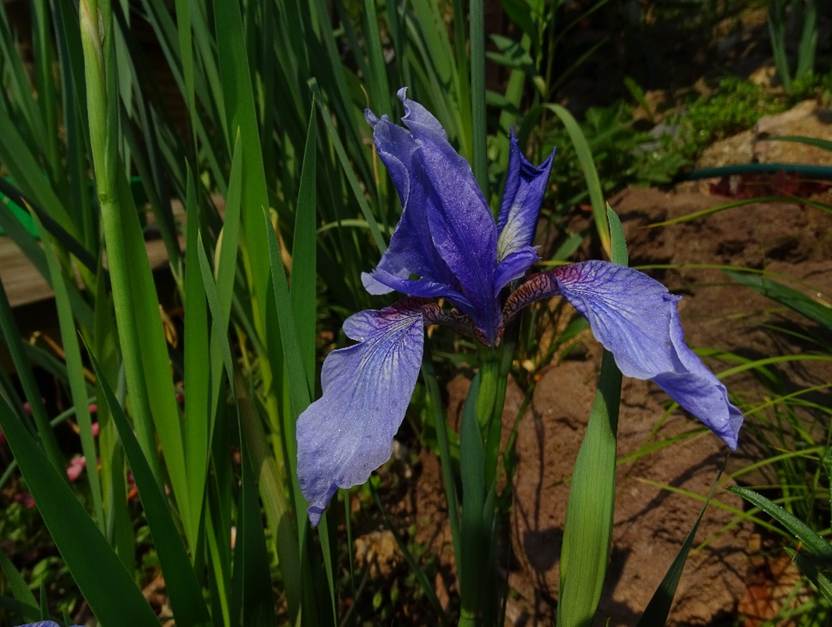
650	522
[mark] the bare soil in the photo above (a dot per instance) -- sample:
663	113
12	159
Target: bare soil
793	241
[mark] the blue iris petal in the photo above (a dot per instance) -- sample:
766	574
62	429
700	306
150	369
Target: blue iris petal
636	319
447	238
523	193
348	432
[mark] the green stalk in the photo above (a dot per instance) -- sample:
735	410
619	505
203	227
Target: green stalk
96	25
478	93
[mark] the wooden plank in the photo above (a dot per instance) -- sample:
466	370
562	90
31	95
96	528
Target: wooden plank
24	284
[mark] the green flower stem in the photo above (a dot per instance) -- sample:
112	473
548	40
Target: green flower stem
96	29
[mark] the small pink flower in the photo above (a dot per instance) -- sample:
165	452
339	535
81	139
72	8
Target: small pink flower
25	499
75	467
95	429
92	408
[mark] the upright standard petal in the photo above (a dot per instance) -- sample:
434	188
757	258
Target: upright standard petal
460	223
348	432
411	251
636	319
523	193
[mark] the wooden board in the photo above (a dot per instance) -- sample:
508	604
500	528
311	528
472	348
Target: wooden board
25	285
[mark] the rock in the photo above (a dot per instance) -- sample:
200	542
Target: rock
807	119
377	551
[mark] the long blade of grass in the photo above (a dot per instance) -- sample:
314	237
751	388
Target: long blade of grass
695	215
790	297
811	540
349	172
100	575
593	182
197	375
477	19
474	531
14	345
14	580
590	509
181	582
75	374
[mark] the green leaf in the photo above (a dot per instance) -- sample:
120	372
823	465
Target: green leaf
474	531
14	345
180	581
811	541
590	510
14	580
589	514
593	182
197	439
790	297
817	142
75	375
100	575
304	253
480	163
658	609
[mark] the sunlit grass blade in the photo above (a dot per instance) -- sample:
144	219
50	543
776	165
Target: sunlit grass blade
743	202
790	297
105	584
810	540
817	142
238	92
593	182
75	375
181	582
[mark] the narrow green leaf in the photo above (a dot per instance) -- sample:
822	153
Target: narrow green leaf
103	580
349	172
304	253
435	407
75	374
790	297
817	142
593	182
658	609
589	513
252	581
474	531
181	582
14	580
811	541
14	345
477	19
618	245
695	215
197	440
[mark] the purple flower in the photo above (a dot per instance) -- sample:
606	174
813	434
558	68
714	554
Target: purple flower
448	246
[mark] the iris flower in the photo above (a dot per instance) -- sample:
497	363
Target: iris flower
447	246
